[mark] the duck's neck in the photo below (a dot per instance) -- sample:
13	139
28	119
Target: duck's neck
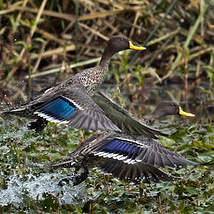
94	77
100	74
107	54
102	68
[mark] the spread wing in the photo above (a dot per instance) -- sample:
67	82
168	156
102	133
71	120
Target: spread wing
128	158
122	118
72	106
75	107
135	150
138	172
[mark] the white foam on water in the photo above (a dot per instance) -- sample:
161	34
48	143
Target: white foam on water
13	193
34	187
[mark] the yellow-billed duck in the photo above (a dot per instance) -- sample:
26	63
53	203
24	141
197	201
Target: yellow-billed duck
70	101
131	158
129	124
166	108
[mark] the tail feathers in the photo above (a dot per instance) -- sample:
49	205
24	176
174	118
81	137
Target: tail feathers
22	111
67	163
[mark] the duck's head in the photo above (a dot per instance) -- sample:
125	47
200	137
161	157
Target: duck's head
119	43
169	108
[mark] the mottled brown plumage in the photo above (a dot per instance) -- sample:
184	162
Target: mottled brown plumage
132	158
70	101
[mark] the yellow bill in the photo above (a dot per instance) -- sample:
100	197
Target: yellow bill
134	47
183	113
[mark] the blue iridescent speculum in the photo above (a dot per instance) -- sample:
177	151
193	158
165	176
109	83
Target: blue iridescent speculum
59	108
119	147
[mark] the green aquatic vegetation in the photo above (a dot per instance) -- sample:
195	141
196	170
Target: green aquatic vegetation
27	183
179	40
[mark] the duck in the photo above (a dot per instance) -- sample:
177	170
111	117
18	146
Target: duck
130	158
132	125
69	102
165	108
